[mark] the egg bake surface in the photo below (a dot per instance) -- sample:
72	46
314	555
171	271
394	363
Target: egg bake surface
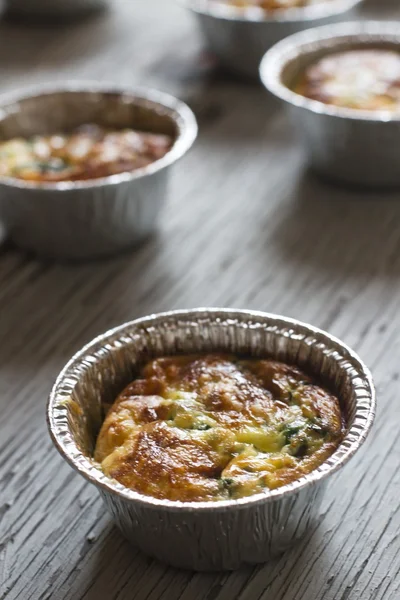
364	79
89	152
214	427
268	5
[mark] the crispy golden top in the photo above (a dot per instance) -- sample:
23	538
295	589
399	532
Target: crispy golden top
87	153
213	427
268	5
360	79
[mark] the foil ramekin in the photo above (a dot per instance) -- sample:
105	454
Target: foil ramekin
240	37
206	535
348	145
97	217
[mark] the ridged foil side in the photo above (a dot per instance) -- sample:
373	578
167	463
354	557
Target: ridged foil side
352	146
97	217
204	535
86	223
217	540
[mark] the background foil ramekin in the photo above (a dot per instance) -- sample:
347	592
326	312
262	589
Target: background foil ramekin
348	145
206	535
97	217
240	38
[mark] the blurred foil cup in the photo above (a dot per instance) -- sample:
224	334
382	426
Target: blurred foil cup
239	37
206	535
349	145
96	217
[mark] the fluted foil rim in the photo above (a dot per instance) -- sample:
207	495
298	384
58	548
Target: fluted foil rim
177	111
113	339
326	38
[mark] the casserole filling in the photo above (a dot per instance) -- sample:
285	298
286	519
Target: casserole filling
359	79
268	5
216	427
89	152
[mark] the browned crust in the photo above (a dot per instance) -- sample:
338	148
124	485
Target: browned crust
229	423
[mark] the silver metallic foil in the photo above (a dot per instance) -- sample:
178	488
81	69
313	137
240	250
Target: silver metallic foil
206	535
240	38
96	217
351	146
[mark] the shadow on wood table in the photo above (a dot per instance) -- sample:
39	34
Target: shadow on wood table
75	301
215	102
113	569
348	233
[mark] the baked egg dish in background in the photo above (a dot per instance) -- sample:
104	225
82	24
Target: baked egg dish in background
341	86
239	32
88	152
268	5
363	79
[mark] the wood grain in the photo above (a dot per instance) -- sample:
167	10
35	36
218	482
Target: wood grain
246	226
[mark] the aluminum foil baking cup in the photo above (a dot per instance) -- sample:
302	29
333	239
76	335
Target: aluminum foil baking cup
96	217
240	37
348	145
207	535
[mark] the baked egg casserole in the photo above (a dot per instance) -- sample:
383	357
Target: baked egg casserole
268	5
89	152
217	427
363	79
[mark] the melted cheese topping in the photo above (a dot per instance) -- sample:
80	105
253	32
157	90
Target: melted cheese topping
203	428
87	153
267	5
359	79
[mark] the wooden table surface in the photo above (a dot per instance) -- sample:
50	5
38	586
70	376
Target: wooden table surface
245	227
